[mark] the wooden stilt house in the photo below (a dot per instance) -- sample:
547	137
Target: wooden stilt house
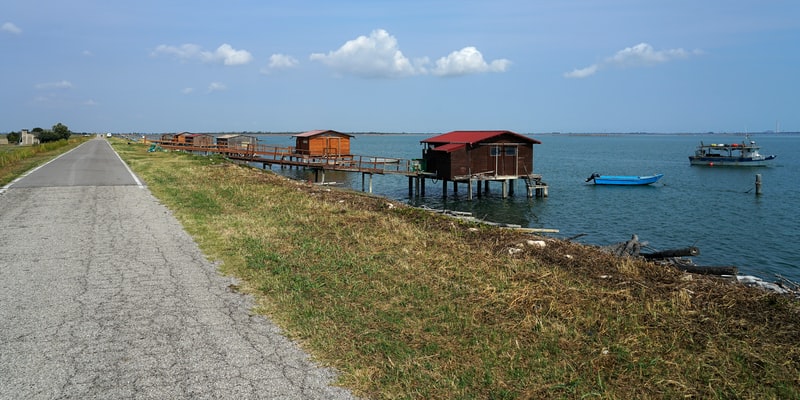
323	143
237	142
464	155
167	138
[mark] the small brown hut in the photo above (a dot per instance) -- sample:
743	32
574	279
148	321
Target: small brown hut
193	139
237	142
463	155
323	143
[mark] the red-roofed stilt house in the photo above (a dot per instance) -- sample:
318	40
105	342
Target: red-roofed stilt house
482	156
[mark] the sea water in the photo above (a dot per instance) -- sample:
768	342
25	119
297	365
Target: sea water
713	208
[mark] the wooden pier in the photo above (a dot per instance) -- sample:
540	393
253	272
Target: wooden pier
290	157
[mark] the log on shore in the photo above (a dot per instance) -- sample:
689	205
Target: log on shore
709	270
684	252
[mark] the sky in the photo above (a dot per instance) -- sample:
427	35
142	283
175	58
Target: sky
529	66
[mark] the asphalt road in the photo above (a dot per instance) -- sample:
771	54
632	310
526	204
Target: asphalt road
104	295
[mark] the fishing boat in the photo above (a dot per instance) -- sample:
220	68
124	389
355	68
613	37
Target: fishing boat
629	180
744	154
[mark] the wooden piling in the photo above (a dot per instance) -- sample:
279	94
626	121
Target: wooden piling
758	184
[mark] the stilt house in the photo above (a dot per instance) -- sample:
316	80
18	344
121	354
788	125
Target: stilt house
323	143
237	142
464	155
194	139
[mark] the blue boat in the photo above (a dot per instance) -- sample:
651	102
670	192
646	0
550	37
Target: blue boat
629	180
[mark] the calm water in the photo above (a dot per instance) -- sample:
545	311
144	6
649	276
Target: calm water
714	208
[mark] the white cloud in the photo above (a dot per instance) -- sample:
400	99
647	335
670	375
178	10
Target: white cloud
231	56
279	61
639	55
216	87
10	28
90	103
376	56
582	73
54	85
467	61
87	53
187	90
644	54
225	54
282	61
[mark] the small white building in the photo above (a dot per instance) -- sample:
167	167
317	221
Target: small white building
27	138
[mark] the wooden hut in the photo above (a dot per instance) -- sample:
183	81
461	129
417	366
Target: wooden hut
237	142
193	139
323	143
167	138
464	155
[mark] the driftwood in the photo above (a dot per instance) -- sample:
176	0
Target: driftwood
684	252
673	257
626	249
709	270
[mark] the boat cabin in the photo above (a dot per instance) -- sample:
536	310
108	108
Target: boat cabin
323	143
463	155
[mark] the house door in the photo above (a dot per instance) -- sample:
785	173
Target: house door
332	146
505	159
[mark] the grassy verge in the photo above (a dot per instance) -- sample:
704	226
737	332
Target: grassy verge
406	304
16	160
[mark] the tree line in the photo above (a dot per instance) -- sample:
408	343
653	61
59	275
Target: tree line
58	132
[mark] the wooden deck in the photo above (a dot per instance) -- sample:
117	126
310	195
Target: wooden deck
288	156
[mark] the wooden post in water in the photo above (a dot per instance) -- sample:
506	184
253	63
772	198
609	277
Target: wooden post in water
444	188
410	186
758	184
469	189
362	181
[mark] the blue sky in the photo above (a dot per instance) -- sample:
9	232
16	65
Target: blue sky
401	66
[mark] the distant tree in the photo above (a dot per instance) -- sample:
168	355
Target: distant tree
13	137
48	136
37	130
61	131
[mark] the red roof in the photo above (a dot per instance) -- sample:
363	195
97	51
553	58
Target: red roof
319	132
449	147
471	137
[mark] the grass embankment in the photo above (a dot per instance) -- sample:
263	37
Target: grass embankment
16	160
406	304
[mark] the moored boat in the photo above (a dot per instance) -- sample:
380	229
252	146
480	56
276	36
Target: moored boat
744	154
629	180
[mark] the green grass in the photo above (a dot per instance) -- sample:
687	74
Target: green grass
16	160
407	304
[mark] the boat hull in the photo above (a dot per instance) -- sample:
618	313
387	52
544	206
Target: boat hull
626	180
730	161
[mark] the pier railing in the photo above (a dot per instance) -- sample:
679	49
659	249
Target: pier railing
291	156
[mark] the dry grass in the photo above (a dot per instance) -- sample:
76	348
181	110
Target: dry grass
16	160
407	304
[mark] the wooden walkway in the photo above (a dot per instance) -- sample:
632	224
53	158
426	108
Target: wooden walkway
288	156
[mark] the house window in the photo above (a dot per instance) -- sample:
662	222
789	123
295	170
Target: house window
494	151
511	151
